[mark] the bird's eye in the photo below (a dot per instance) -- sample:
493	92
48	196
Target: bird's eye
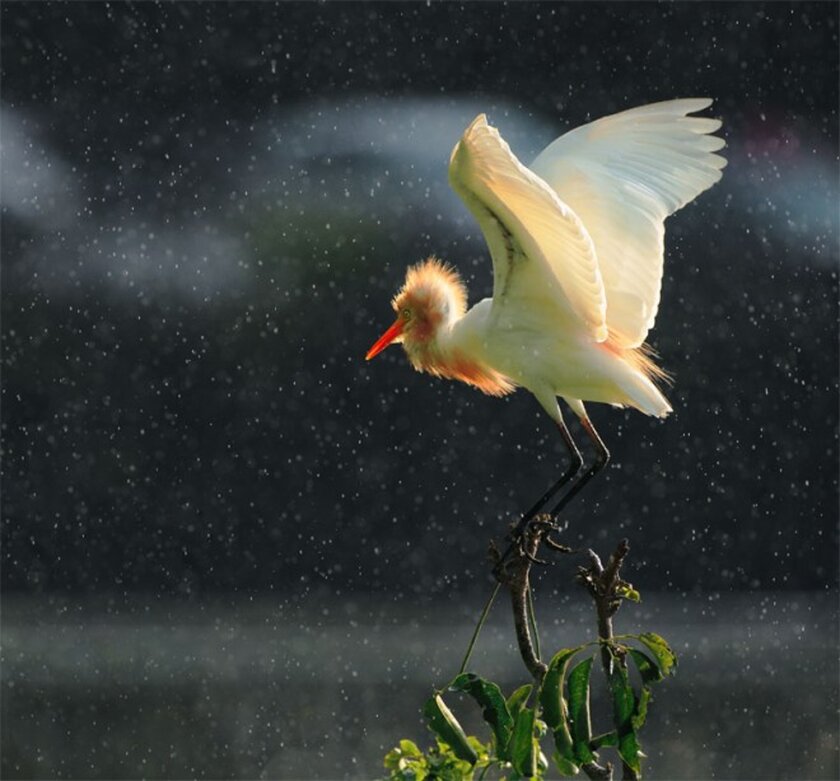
406	313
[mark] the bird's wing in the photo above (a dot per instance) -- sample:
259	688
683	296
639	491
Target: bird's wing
544	263
623	175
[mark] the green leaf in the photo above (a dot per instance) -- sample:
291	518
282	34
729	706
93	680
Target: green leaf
566	767
444	765
665	657
524	748
556	712
605	739
624	707
581	727
495	710
410	749
640	711
406	762
626	591
444	724
517	700
648	669
551	692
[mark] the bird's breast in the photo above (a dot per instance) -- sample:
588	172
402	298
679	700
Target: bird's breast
460	365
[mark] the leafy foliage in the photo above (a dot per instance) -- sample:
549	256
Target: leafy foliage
444	724
556	711
495	710
579	711
624	707
561	710
407	762
666	659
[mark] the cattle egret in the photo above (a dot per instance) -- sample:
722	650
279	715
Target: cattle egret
577	243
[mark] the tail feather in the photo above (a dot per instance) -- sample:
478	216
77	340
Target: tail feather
640	386
646	397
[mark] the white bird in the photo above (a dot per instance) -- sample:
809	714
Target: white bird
577	243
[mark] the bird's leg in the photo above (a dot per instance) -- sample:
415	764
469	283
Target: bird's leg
602	458
576	462
517	535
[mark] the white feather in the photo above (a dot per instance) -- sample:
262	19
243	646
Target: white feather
623	175
544	261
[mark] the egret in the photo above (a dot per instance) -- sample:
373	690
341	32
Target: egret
577	244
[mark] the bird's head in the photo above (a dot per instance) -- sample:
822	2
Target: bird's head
433	296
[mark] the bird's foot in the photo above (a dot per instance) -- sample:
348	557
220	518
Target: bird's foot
557	546
549	525
527	526
524	539
532	559
521	539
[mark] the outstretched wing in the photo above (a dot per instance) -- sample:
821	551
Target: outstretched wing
545	271
623	175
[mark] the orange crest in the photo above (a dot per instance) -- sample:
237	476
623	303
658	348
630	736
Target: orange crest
434	287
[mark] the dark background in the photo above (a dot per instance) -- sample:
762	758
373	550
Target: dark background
205	211
195	429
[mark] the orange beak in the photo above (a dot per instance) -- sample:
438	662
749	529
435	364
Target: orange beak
392	333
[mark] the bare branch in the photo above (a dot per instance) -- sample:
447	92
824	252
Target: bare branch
603	584
514	574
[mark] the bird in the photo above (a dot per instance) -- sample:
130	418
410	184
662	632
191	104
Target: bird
577	246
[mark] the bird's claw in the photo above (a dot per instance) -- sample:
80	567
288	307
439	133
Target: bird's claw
534	559
548	523
559	547
539	527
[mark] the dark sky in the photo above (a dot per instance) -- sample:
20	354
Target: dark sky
207	207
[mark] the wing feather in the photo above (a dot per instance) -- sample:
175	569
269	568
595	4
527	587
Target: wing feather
623	175
543	258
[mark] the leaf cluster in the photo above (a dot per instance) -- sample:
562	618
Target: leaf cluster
558	709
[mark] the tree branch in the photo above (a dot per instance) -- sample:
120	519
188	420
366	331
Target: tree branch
606	587
514	574
513	571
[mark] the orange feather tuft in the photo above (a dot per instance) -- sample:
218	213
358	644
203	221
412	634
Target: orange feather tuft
429	279
435	294
640	358
470	371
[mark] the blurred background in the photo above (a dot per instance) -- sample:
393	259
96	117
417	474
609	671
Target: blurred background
231	548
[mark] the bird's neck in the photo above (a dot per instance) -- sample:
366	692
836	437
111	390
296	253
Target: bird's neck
447	353
436	347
